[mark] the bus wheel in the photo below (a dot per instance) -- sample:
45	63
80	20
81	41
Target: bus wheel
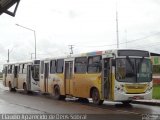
10	87
62	97
56	93
25	89
126	102
96	97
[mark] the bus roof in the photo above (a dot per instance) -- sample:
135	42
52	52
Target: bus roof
20	62
93	53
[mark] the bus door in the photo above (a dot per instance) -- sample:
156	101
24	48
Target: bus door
46	76
29	68
68	77
106	77
15	79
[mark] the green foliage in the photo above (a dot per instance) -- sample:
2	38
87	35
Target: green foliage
156	92
156	69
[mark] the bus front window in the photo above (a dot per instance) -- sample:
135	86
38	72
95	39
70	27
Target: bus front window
144	71
133	70
125	70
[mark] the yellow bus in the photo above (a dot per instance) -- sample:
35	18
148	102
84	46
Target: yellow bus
22	75
114	75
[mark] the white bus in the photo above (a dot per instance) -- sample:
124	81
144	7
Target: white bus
22	75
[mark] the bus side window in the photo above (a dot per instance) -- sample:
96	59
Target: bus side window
60	65
53	66
12	69
94	64
5	71
9	69
15	71
42	67
80	65
21	68
24	68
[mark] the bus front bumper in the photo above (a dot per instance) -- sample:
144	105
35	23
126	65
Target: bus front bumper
129	97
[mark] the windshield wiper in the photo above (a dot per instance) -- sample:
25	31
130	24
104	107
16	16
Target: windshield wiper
132	66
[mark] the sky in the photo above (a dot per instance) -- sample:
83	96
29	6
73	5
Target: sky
89	25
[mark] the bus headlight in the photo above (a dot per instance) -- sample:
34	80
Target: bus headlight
149	88
119	88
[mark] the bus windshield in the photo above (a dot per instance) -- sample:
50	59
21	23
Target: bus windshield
133	70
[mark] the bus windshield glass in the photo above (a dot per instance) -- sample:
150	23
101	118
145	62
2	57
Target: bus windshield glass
133	70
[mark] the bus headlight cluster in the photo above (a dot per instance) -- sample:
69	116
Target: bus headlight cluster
120	88
149	88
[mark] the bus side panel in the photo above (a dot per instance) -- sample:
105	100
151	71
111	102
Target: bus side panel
54	79
42	87
59	80
4	79
21	80
84	82
9	78
50	84
4	74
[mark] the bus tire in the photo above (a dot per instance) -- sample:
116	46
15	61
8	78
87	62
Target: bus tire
25	88
126	102
10	87
62	97
57	94
96	97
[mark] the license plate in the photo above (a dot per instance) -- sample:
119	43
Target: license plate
137	97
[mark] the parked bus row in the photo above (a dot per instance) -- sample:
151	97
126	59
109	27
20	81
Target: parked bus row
114	75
